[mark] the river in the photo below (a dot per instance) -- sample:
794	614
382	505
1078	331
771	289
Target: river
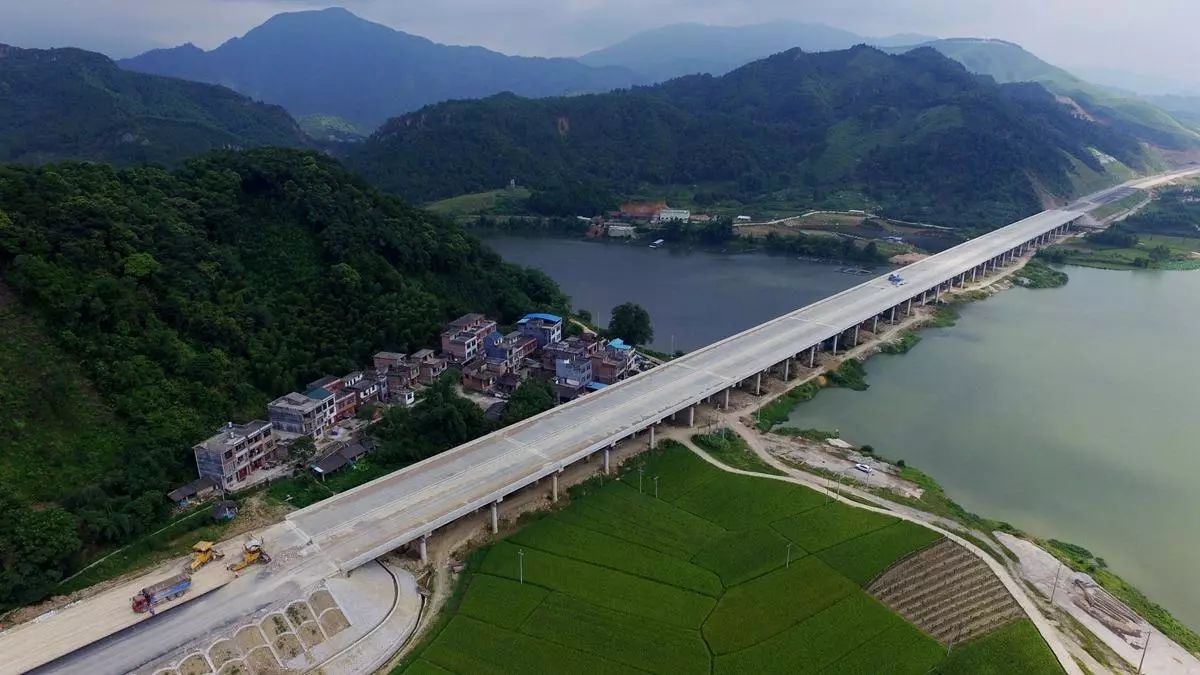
1069	412
694	297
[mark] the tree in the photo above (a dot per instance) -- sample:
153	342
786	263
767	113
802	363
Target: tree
302	450
35	547
531	398
631	322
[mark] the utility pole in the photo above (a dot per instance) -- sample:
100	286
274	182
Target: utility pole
787	561
641	470
1056	575
656	487
1145	648
521	565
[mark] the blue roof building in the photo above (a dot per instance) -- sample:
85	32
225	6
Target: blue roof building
545	328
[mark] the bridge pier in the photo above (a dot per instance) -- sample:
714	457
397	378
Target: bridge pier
424	548
812	357
835	341
893	317
875	323
652	437
908	308
854	340
607	453
495	508
554	486
691	416
758	384
787	369
725	405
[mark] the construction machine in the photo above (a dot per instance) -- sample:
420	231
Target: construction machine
202	554
252	552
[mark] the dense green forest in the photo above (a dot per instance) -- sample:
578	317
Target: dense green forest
73	104
188	298
1174	211
915	133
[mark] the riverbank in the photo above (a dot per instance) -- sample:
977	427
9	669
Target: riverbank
933	498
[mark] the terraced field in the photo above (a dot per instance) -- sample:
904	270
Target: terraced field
720	574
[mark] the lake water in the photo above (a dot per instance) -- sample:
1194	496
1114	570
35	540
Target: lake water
1071	413
698	297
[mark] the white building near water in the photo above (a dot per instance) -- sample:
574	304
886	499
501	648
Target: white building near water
674	215
621	230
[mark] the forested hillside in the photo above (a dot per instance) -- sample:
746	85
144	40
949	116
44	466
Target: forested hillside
72	104
914	135
189	298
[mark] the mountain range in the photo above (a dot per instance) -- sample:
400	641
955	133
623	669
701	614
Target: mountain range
331	62
73	104
670	51
914	133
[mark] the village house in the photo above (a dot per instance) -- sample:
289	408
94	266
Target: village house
572	375
545	328
430	366
674	216
481	377
308	414
400	371
234	454
511	349
462	341
614	362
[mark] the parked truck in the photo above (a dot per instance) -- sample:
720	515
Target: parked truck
168	589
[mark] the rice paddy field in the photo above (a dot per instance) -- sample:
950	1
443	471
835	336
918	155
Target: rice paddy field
717	574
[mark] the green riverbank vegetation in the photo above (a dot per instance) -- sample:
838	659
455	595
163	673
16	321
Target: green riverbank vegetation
728	447
1037	274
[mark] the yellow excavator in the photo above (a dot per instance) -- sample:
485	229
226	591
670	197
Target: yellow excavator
252	552
202	554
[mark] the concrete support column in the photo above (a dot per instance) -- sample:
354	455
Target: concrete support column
893	317
424	548
812	357
495	517
691	416
725	406
875	323
652	445
758	384
787	369
835	341
607	457
908	308
855	341
554	487
937	293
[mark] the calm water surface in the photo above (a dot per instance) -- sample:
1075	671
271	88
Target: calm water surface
1072	413
698	297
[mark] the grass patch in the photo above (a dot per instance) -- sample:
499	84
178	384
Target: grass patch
601	586
1037	274
818	529
825	638
1176	253
559	538
492	201
743	502
901	650
471	646
1015	648
1123	204
862	559
777	411
850	374
646	645
503	602
944	316
768	605
902	344
730	449
816	435
741	556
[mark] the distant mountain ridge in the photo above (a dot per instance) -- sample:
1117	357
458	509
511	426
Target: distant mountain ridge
331	62
915	133
1009	62
666	52
73	104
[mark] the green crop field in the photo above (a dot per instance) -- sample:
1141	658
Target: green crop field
718	574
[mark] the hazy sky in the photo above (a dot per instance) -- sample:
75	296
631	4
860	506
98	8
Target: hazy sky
1152	38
